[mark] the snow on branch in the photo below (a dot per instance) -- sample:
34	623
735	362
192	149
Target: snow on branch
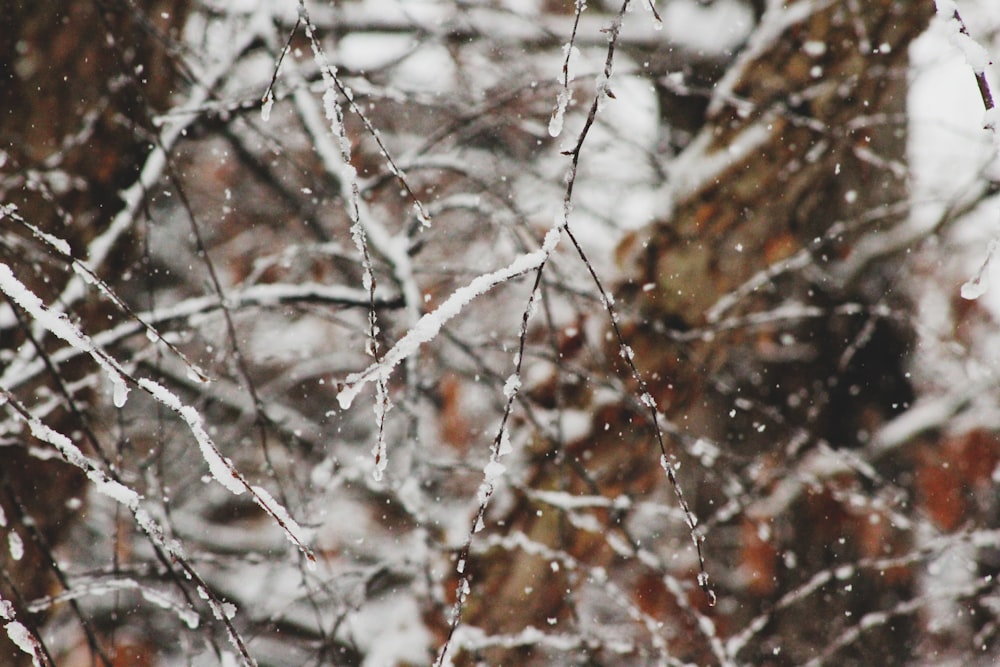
565	93
222	469
271	295
61	247
501	443
977	56
126	497
23	638
428	327
59	325
105	586
979	59
363	224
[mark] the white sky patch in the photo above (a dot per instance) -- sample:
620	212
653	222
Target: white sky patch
523	6
390	631
719	26
991	121
371	50
431	69
617	172
949	149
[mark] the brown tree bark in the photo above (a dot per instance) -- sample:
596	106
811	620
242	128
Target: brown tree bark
765	340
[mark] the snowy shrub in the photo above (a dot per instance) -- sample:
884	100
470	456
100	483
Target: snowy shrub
507	332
